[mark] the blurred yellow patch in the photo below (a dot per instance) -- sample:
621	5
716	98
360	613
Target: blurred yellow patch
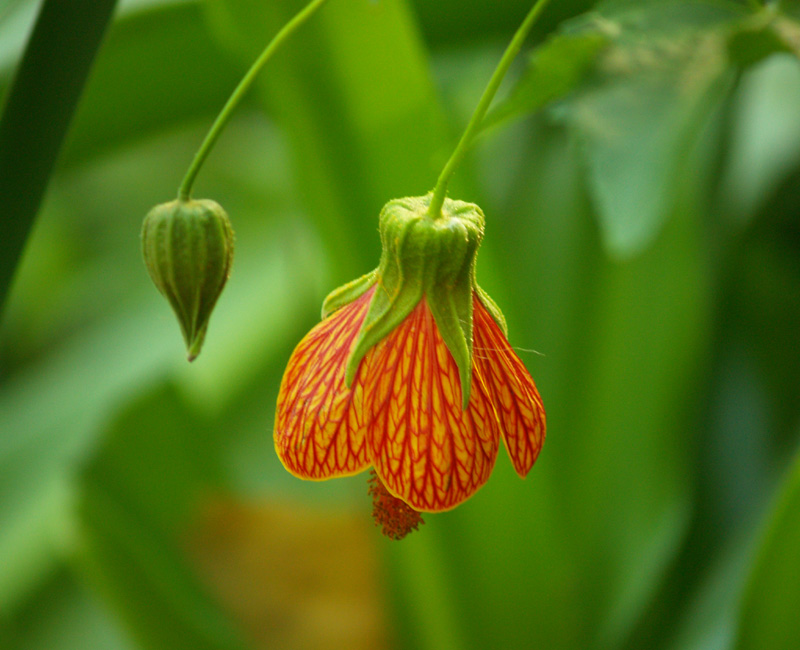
293	576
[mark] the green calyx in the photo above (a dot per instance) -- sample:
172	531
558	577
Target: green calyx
348	293
423	257
188	250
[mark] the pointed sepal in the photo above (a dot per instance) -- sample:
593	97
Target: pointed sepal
493	309
347	293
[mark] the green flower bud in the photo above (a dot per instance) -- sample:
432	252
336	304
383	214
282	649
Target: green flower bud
188	251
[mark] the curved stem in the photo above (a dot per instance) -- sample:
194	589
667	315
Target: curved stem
244	85
440	191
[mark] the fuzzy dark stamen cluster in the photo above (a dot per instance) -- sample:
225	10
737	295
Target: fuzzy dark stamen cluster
395	517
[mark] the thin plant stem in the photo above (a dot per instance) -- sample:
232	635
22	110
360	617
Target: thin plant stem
286	31
440	191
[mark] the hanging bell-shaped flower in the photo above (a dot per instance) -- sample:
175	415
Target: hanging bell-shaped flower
410	372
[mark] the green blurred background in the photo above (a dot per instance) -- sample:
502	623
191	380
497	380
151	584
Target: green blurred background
642	197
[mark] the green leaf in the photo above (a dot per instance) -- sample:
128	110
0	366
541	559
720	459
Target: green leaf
764	144
787	28
554	69
768	616
449	23
33	535
64	615
158	68
755	41
645	77
657	85
37	113
138	496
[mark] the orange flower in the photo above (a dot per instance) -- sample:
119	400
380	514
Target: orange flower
403	412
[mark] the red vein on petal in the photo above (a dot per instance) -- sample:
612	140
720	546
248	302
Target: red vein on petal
319	423
513	392
426	450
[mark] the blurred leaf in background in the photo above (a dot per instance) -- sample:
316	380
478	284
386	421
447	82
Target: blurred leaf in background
641	183
37	111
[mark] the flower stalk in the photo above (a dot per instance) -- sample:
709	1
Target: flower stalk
184	193
440	191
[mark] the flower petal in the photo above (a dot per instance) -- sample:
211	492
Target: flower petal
516	401
319	424
425	448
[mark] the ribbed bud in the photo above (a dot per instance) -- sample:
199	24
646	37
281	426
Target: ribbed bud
188	251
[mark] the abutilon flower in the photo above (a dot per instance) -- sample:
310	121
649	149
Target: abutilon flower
410	373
